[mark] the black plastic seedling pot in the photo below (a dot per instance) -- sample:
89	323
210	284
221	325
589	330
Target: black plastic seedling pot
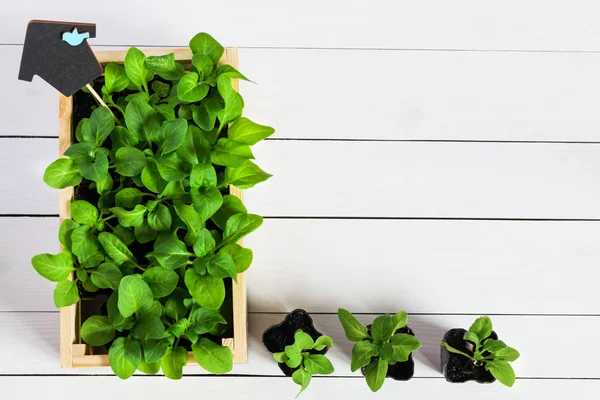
401	371
458	368
278	336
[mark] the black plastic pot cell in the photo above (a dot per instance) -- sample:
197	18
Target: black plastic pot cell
401	371
458	368
278	336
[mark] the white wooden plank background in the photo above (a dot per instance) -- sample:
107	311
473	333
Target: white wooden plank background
446	207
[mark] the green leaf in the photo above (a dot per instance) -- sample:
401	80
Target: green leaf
175	306
107	276
105	185
206	290
245	176
403	345
173	362
179	327
89	286
154	349
318	364
185	112
399	319
130	218
204	243
115	248
145	234
280	357
172	168
230	153
173	135
234	103
62	173
231	205
54	267
190	90
160	218
301	377
172	253
470	336
482	327
162	281
134	294
192	219
206	201
492	345
502	371
382	328
203	64
160	88
241	256
129	197
205	44
99	126
115	78
175	192
142	120
362	352
148	327
166	67
97	331
195	147
231	72
95	169
166	110
212	357
245	131
205	320
152	178
86	247
125	356
303	341
375	374
129	161
507	354
114	316
66	293
136	69
205	113
322	342
64	233
149	368
120	137
203	176
81	152
355	331
240	225
455	351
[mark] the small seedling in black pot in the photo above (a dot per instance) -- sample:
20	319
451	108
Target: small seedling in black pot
477	355
299	348
383	349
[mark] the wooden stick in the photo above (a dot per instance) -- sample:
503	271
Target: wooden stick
102	103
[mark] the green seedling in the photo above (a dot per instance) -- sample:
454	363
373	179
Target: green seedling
161	162
380	348
298	356
495	355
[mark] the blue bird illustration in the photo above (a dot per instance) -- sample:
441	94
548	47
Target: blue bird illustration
75	38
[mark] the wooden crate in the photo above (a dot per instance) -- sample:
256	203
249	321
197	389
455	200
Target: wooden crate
73	352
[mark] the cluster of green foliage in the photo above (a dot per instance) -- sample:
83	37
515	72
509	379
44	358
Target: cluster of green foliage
162	179
381	347
298	356
494	354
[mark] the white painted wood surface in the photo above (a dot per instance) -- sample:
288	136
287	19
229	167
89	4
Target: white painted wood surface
503	96
537	334
374	179
444	257
467	72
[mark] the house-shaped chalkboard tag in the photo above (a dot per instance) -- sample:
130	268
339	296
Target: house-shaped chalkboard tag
59	53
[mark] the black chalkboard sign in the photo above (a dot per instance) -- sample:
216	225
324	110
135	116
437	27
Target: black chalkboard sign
58	53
